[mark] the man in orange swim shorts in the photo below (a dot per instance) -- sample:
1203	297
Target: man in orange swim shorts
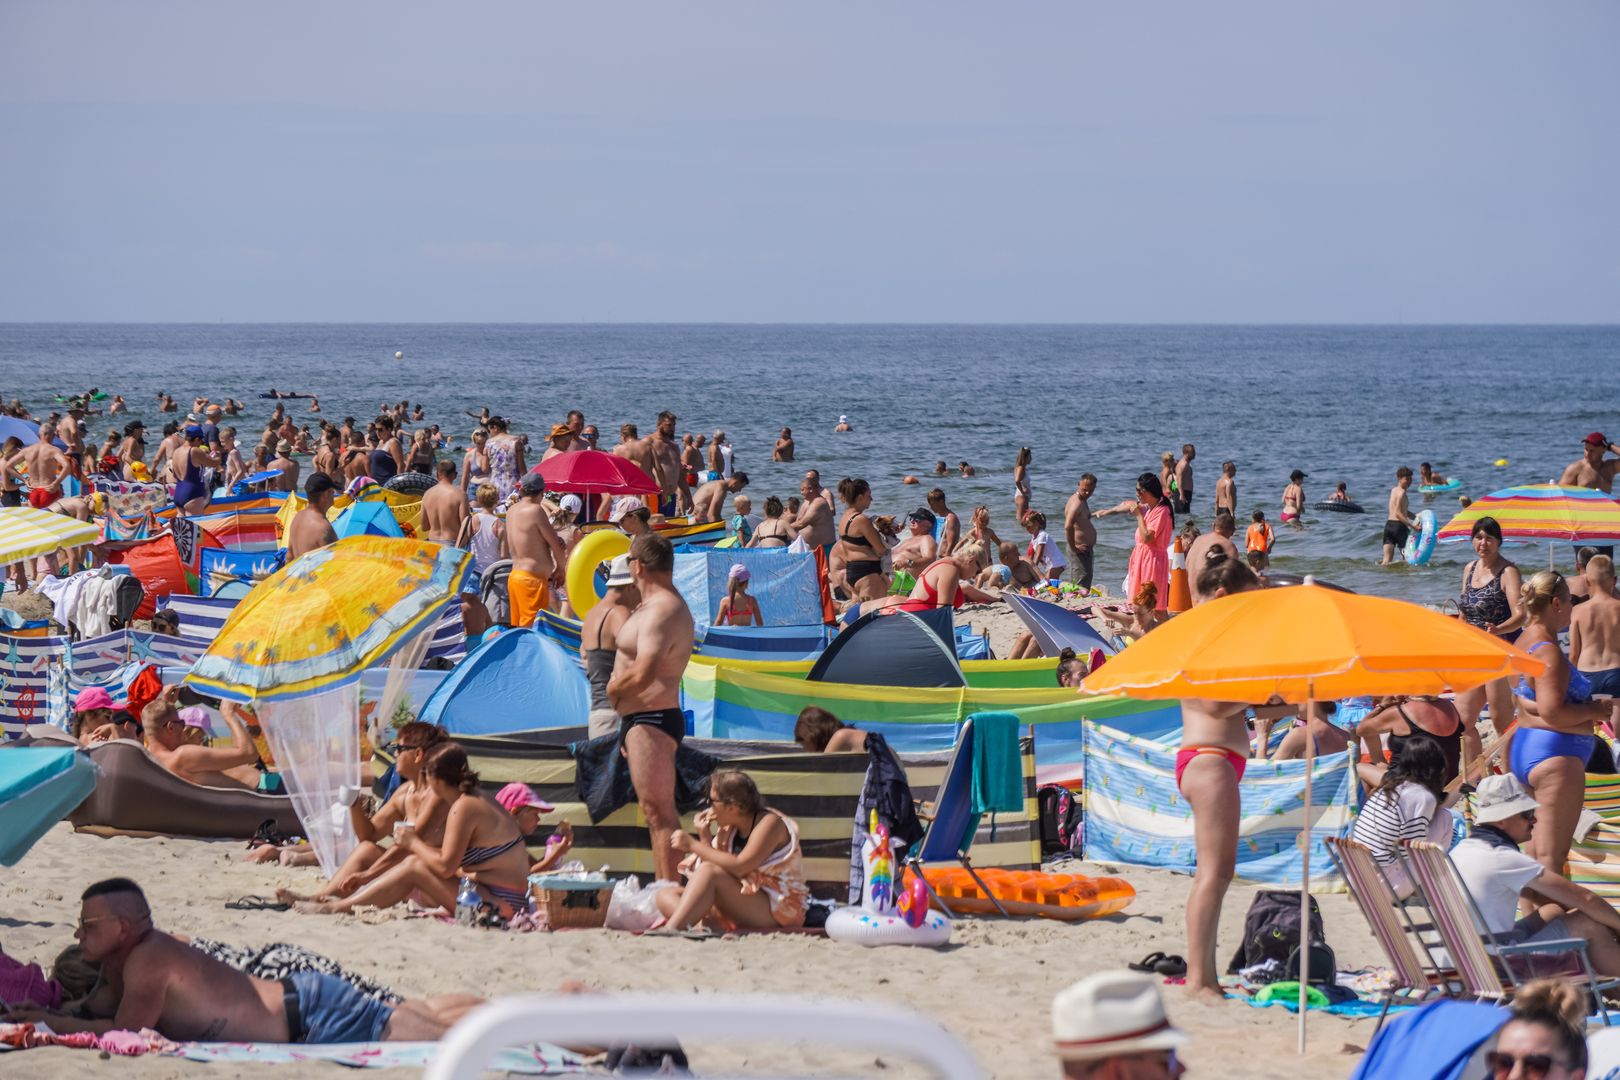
538	557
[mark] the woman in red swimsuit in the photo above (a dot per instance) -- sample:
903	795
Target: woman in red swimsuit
738	608
1214	750
944	583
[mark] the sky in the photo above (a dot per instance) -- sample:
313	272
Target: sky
1239	162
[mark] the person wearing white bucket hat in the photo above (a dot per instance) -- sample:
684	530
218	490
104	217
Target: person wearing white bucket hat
1496	873
1112	1026
598	640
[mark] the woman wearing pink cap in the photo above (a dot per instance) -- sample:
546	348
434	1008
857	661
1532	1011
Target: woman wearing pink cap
738	608
93	718
524	805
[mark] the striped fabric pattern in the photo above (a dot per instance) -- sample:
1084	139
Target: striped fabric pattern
819	791
1542	512
761	701
26	532
202	616
1595	860
1134	813
25	666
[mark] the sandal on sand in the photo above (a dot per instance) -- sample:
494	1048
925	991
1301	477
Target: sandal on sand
257	903
1147	963
1173	966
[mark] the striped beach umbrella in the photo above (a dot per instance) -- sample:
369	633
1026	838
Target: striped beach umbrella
318	623
26	532
1571	515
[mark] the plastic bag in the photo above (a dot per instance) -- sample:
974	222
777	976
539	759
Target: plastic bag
634	908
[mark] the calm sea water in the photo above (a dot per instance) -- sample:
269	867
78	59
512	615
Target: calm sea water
1341	403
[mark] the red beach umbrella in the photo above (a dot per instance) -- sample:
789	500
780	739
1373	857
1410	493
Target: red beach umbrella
594	472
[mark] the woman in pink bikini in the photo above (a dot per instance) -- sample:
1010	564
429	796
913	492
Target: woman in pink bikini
1214	751
737	608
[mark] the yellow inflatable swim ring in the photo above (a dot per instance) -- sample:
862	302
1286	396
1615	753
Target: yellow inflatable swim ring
596	549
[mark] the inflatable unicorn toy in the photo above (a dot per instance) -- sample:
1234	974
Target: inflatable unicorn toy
893	908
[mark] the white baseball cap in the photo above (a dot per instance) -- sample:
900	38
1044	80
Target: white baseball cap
1109	1014
622	506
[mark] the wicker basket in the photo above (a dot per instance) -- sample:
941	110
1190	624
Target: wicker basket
572	904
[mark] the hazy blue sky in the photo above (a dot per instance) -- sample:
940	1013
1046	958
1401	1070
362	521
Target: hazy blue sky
939	161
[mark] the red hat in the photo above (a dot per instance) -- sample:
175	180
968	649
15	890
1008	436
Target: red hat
1597	438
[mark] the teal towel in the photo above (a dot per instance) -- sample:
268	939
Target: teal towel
998	768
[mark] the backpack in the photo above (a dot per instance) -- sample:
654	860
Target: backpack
1060	820
1271	931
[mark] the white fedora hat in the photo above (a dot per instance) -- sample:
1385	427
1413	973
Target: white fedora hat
1112	1013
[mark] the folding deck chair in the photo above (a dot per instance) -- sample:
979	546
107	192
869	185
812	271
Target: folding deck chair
1391	925
952	823
1482	961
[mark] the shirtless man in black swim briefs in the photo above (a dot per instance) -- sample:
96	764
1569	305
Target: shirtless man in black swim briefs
654	645
1400	522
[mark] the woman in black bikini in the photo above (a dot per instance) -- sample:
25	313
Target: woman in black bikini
1490	601
859	542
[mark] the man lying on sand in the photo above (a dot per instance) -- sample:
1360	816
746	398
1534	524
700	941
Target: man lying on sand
152	980
211	766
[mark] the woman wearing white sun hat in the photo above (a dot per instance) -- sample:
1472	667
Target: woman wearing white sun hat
1113	1025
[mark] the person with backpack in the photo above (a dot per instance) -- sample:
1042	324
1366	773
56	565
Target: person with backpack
1406	805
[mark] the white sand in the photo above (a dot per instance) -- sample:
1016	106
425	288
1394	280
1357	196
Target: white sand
993	987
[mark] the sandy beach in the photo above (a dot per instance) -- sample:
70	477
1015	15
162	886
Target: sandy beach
992	986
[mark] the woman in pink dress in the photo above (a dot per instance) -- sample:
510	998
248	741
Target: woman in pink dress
1155	529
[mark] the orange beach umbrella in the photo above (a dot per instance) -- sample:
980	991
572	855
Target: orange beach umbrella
1306	643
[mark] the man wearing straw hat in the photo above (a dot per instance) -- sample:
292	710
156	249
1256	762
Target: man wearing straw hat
1112	1026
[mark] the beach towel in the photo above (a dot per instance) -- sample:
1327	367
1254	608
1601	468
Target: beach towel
602	776
27	984
998	783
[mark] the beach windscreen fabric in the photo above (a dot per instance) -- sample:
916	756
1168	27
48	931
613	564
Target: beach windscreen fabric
316	743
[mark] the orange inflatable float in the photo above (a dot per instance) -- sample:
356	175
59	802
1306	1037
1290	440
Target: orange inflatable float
1069	897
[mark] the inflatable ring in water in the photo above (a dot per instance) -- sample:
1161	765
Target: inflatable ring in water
1420	545
863	927
1338	506
598	547
1450	485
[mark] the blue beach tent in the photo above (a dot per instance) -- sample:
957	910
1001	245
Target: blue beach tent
367	519
518	680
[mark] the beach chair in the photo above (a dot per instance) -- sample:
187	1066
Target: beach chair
951	821
469	1047
1392	925
1483	962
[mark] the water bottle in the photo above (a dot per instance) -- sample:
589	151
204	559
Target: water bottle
467	903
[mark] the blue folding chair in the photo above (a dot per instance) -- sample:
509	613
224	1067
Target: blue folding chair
953	823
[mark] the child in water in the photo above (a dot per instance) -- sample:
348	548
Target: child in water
1259	541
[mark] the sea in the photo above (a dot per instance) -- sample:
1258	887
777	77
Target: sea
1493	405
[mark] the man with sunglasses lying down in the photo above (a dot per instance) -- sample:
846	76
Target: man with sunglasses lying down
1498	875
211	766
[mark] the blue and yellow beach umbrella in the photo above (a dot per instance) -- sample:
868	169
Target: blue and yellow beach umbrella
319	623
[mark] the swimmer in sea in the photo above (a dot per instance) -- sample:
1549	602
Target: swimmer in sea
1293	499
1427	475
843	424
965	469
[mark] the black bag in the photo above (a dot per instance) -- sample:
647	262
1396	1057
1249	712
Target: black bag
1271	930
1060	820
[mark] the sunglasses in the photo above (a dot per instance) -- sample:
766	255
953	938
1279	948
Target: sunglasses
1533	1066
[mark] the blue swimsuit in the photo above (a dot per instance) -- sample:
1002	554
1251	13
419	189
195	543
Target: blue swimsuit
1532	746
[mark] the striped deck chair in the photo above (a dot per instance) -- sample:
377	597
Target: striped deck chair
1594	859
952	823
1391	924
1483	963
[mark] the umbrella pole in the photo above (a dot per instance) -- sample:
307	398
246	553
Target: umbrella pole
1305	876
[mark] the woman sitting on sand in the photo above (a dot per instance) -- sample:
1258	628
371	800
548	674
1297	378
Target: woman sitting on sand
481	841
1384	732
744	868
1144	615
